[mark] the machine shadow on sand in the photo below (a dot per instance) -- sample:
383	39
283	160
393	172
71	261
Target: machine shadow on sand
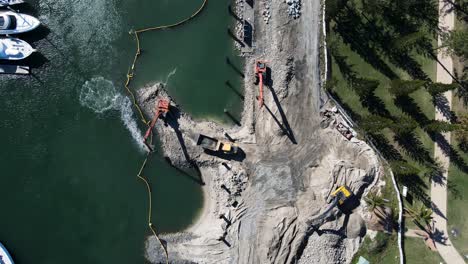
239	156
171	119
285	127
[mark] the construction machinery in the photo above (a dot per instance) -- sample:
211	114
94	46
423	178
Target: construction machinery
261	74
341	195
211	144
162	107
340	198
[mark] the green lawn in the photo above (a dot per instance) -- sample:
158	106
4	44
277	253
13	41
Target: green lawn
356	57
348	97
417	252
458	199
352	100
383	249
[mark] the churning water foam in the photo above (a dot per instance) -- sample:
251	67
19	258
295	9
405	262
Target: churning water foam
100	95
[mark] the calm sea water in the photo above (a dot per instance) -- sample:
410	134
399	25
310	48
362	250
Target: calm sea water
71	142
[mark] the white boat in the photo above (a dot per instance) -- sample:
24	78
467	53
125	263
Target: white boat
5	257
14	49
10	2
15	23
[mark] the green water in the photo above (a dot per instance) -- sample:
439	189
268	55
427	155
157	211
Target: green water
70	142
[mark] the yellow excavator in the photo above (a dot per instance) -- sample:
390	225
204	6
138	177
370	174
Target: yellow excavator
341	198
341	195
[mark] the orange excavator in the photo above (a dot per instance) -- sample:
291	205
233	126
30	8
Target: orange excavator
260	71
162	107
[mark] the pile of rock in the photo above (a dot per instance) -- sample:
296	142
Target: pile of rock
266	12
239	6
294	8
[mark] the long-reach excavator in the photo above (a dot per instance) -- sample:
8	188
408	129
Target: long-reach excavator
341	197
162	107
260	71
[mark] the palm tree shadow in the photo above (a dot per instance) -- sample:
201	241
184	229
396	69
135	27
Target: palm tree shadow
414	147
410	107
448	150
386	148
439	236
442	103
417	187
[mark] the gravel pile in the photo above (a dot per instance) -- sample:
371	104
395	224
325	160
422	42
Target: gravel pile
294	8
266	13
238	7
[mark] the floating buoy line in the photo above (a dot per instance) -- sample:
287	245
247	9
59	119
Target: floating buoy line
130	75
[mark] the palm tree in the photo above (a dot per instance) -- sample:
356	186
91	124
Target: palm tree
421	216
373	201
375	123
440	126
405	87
438	88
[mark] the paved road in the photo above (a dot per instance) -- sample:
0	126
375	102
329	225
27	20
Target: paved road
439	190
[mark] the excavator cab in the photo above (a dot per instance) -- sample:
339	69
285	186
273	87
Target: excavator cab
228	148
342	194
260	67
163	106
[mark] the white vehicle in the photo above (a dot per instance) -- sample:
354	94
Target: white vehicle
5	256
10	2
15	23
14	49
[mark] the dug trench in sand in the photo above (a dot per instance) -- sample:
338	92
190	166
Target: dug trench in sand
261	205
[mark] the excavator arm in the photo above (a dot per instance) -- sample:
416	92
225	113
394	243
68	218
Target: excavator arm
260	70
260	96
162	107
151	126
